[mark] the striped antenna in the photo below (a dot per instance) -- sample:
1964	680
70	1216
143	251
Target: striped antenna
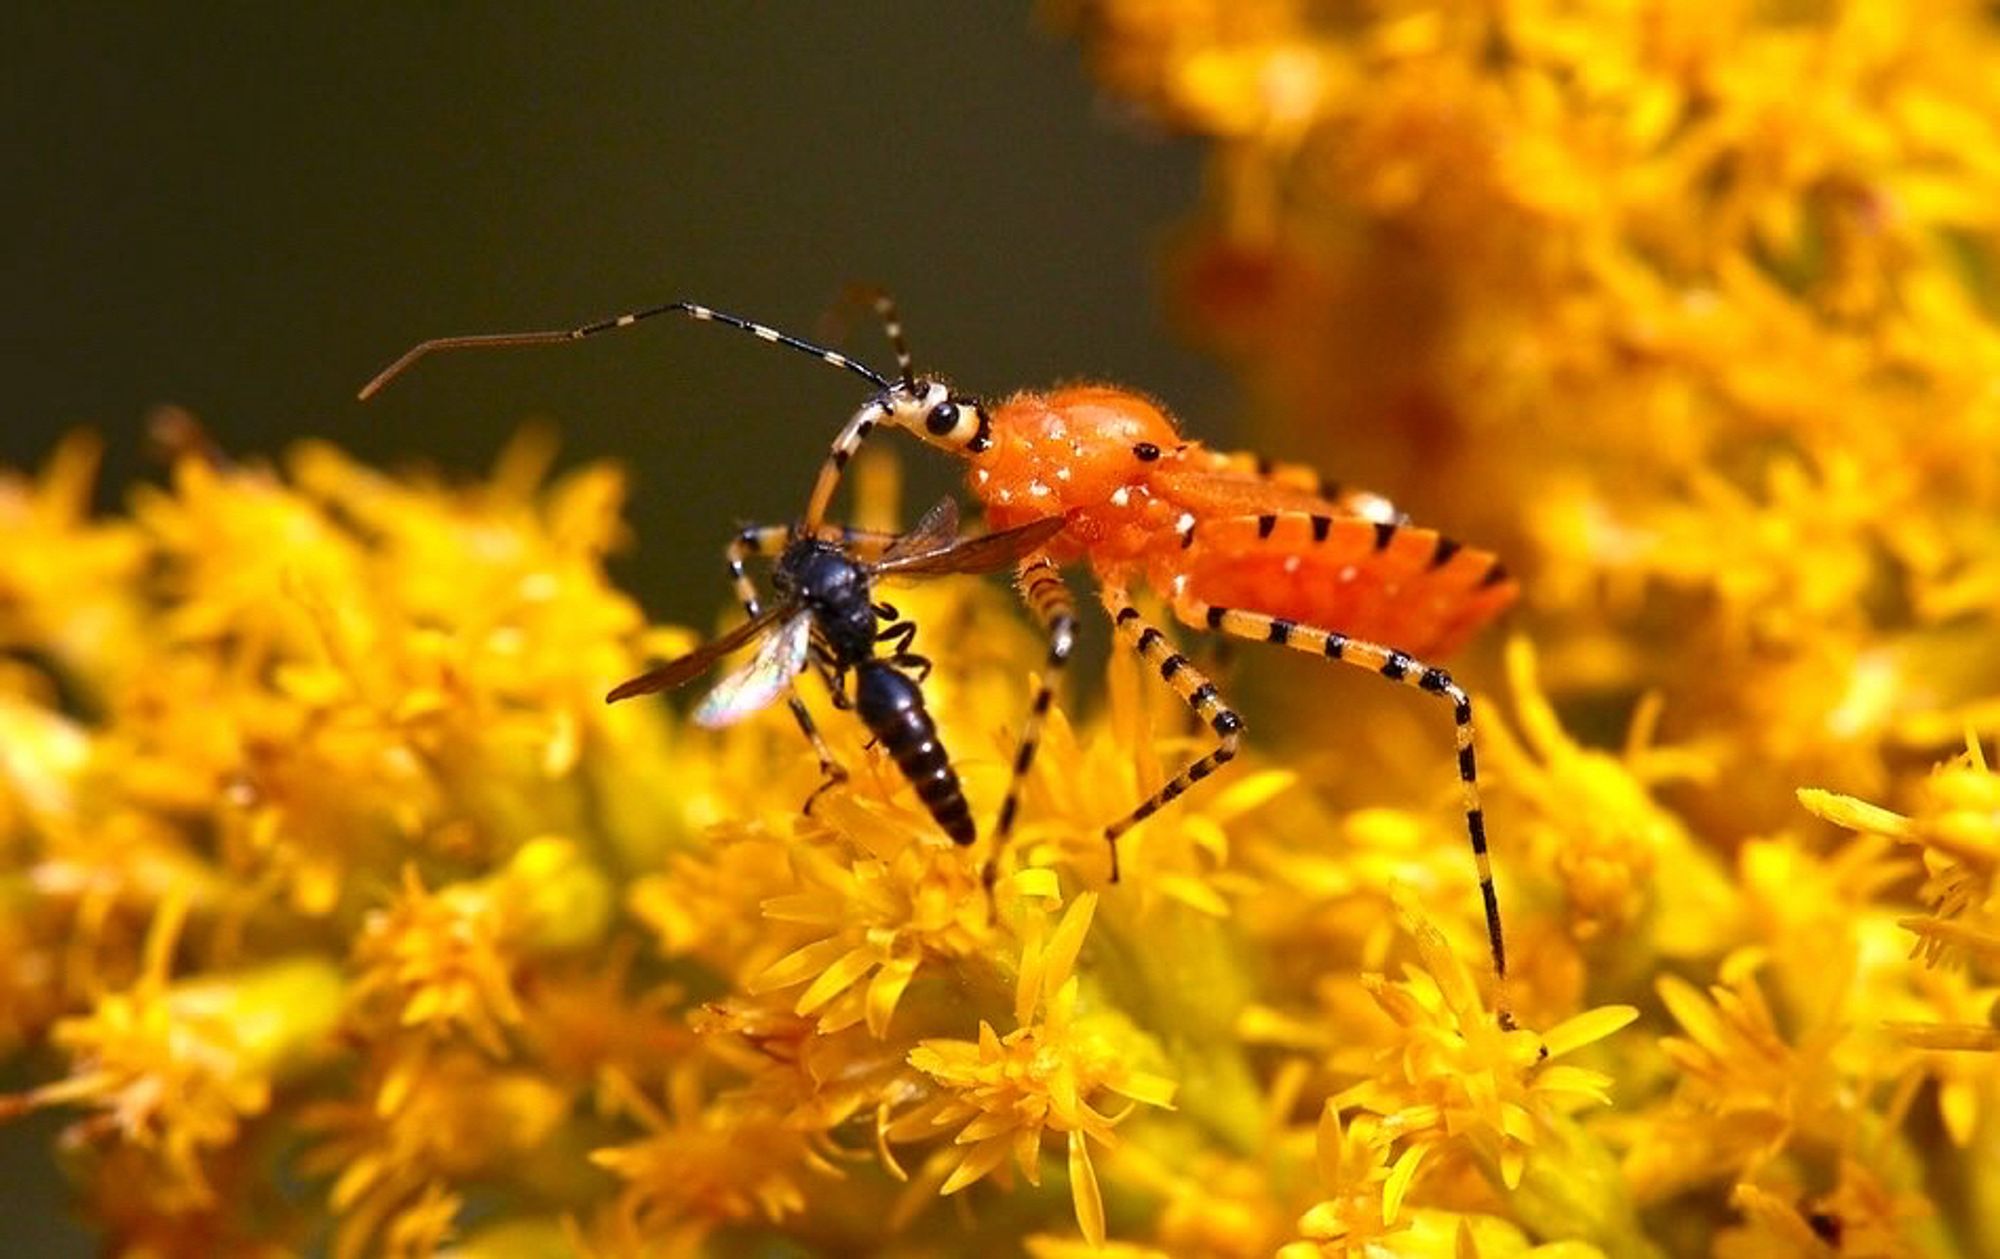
509	340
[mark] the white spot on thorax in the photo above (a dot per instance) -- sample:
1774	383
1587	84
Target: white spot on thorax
1122	496
1375	508
1291	564
1185	524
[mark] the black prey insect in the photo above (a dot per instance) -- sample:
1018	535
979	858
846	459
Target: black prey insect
826	616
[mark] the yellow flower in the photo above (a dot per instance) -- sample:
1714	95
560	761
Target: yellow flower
176	1068
1593	823
1003	1094
419	1125
443	964
1366	1182
1859	1216
1454	1083
69	584
1744	1091
1083	781
1955	829
907	901
702	1165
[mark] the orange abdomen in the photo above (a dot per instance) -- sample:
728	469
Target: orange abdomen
1401	586
1141	499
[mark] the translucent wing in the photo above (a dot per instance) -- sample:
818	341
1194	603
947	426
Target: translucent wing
988	553
691	666
779	659
937	530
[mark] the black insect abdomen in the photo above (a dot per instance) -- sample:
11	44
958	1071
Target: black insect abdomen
892	708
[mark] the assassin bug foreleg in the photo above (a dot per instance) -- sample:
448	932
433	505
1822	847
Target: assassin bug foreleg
1233	542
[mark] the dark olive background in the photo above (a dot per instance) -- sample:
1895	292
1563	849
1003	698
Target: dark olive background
246	212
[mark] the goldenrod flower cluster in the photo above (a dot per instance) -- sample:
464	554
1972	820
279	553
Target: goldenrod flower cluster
1690	309
342	914
352	916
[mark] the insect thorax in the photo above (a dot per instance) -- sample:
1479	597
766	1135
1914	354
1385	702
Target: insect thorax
834	587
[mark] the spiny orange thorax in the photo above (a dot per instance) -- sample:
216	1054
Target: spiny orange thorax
1070	452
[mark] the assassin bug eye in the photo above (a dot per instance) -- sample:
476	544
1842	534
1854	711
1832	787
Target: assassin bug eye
942	419
1146	451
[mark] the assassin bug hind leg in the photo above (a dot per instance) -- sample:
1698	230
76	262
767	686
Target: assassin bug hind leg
1397	666
1195	689
1047	595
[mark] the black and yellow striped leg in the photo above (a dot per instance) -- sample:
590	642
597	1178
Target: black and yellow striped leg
753	540
1397	667
769	540
848	440
1048	596
1188	683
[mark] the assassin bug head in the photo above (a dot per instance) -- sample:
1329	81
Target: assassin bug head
947	420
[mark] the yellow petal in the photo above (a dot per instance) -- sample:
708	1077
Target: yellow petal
1041	884
1694	1014
987	1126
1060	956
798	966
1195	893
836	979
882	1150
1028	1153
978	1161
1083	1188
1330	1145
1247	793
1398	1184
1855	815
1144	1086
1591	1025
885	990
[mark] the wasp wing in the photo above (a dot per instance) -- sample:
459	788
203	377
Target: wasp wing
685	669
937	530
779	659
987	553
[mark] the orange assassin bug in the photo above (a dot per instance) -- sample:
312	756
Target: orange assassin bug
1234	543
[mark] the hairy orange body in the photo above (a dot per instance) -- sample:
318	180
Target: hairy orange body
1221	528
